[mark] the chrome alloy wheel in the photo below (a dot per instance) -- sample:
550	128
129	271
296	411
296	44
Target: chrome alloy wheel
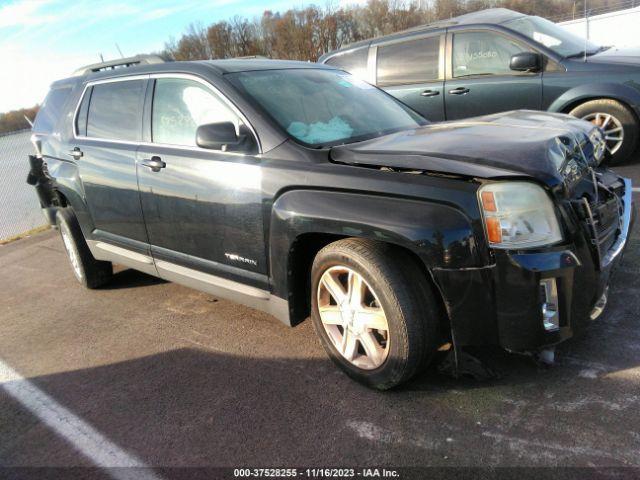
353	318
71	251
612	127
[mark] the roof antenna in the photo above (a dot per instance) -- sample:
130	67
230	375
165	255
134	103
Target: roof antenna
119	51
586	38
101	58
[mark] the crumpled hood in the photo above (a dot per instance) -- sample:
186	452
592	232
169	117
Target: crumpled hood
516	143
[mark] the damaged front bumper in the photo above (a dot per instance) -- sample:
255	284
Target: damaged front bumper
526	301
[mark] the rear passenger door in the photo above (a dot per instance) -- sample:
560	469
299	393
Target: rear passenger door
107	131
412	70
479	80
202	207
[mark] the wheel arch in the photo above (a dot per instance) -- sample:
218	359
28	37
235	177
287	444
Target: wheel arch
69	191
304	221
62	198
576	96
300	260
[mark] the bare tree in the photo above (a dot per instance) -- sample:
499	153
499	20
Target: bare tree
193	45
220	40
14	120
307	33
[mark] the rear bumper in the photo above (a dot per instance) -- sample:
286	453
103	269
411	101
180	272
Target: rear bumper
501	304
44	189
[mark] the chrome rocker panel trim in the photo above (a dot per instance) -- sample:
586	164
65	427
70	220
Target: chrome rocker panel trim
220	287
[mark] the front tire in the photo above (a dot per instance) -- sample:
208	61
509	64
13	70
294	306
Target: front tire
617	121
373	311
89	272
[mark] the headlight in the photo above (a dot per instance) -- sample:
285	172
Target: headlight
518	215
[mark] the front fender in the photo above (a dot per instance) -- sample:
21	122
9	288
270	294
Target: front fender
440	235
617	91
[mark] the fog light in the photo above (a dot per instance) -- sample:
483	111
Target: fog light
549	300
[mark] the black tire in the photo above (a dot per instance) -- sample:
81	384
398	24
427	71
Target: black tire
624	116
90	272
404	294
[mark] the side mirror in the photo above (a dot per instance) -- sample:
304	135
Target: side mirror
526	62
217	136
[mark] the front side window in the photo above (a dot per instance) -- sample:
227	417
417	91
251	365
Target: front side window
115	111
180	106
354	62
483	53
321	107
414	61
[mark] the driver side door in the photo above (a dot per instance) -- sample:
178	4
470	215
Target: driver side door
479	80
202	207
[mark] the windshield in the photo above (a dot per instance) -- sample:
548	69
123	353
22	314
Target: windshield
552	36
321	107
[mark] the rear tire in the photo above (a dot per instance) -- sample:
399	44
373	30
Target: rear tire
618	122
398	313
90	272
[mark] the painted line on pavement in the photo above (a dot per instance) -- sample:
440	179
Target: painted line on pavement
86	439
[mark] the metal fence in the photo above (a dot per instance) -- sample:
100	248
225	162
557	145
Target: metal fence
20	208
582	12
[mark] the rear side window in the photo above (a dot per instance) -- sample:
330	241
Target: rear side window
51	109
354	62
414	61
115	110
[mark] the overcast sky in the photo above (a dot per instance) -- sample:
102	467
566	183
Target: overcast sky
44	40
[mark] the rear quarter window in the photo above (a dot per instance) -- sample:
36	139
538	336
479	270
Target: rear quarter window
354	62
411	61
51	109
83	111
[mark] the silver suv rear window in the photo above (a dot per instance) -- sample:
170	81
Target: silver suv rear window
50	110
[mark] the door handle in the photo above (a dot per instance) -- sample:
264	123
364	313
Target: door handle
154	163
459	91
76	153
430	93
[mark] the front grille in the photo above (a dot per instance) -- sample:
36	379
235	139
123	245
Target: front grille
607	222
600	213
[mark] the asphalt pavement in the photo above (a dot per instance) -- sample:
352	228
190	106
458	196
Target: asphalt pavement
146	373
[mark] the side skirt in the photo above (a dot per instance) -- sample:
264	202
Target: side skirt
220	287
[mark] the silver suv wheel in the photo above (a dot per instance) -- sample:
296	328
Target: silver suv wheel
71	251
90	272
353	318
612	127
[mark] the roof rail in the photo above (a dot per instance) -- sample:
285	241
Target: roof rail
119	63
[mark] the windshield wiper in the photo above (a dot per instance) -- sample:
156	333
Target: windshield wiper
582	53
579	54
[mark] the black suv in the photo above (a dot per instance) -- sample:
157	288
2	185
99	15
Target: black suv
300	190
497	60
